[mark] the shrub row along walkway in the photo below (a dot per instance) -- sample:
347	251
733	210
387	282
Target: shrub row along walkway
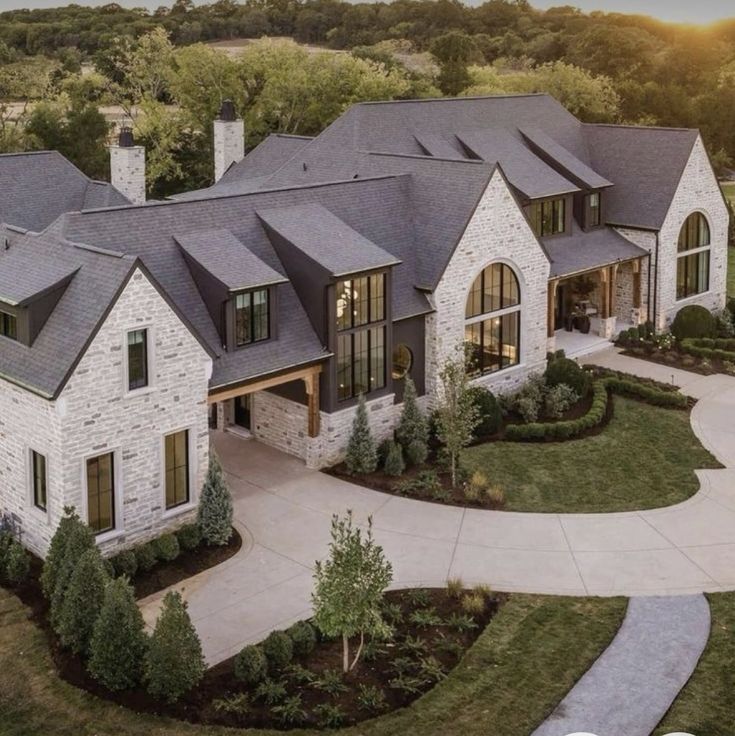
631	686
284	511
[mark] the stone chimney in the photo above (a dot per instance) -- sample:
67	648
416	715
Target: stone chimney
127	167
229	139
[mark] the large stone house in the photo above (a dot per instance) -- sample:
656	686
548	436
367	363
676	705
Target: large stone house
313	271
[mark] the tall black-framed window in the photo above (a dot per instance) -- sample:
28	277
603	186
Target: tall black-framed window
548	217
252	317
361	339
493	321
693	257
8	325
101	493
177	468
137	359
593	209
38	480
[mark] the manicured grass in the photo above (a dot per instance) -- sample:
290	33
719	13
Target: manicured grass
519	669
645	458
706	705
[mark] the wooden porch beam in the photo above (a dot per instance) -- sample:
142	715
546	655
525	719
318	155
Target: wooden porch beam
312	393
612	302
551	307
604	293
637	295
266	383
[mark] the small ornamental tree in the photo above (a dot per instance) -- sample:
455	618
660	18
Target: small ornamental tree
215	506
83	601
413	429
174	662
118	640
56	551
349	587
362	454
456	414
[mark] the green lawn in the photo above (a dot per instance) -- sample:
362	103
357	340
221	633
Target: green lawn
706	705
519	669
645	458
731	272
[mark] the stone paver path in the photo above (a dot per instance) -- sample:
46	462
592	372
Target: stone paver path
631	686
284	512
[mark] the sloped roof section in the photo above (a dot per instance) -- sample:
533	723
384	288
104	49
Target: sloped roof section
226	258
440	146
568	162
24	277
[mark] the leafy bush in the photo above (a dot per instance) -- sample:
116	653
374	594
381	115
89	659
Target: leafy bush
568	372
173	663
694	321
417	452
278	650
394	464
189	537
490	417
559	399
214	515
271	691
83	602
125	563
331	682
303	638
290	712
234	705
251	666
329	715
362	454
528	400
145	556
725	323
166	547
118	640
6	540
17	563
473	603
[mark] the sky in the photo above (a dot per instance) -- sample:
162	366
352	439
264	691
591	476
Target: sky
684	11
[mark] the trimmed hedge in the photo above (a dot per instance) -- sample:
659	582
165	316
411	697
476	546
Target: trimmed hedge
710	348
694	321
568	429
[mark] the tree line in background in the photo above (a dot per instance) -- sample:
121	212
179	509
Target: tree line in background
155	66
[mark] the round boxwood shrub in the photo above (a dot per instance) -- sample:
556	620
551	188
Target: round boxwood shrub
166	547
251	666
189	537
145	556
303	638
125	563
694	321
565	370
278	650
488	412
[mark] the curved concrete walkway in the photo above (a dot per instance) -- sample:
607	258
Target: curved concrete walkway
286	510
629	689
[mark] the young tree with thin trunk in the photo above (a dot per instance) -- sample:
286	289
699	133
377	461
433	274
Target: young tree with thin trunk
349	587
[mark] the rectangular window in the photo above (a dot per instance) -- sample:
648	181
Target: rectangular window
101	493
593	209
360	362
137	359
252	317
692	274
38	478
549	217
360	301
177	468
8	325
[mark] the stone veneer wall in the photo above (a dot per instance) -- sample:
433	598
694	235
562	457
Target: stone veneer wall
229	145
95	414
497	231
127	171
647	240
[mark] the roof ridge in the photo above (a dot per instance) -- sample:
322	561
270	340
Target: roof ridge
633	126
454	99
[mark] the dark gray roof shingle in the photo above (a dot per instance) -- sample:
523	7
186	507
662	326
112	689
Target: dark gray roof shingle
24	276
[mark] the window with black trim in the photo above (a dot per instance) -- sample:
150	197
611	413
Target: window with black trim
8	325
177	468
252	317
38	480
593	209
361	342
493	321
693	258
548	217
101	493
402	360
137	359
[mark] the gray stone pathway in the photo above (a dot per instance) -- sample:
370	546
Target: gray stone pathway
631	686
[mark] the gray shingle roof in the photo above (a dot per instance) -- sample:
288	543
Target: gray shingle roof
326	239
38	187
221	254
24	276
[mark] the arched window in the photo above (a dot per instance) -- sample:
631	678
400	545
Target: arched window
493	320
692	262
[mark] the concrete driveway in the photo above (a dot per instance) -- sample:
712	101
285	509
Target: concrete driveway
284	510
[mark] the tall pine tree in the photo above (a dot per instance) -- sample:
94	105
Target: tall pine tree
362	454
215	506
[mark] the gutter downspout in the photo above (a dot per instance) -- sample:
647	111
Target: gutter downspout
655	288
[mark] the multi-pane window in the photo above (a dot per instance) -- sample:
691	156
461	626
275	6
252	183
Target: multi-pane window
8	325
361	344
548	217
593	209
101	493
493	321
252	321
692	264
177	468
137	359
38	480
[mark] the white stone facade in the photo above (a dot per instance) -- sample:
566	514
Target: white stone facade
127	171
96	414
229	145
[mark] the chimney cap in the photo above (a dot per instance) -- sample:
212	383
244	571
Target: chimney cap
227	111
126	139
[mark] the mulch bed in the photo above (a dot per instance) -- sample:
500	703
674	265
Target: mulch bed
675	359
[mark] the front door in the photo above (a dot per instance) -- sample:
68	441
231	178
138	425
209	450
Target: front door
242	411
